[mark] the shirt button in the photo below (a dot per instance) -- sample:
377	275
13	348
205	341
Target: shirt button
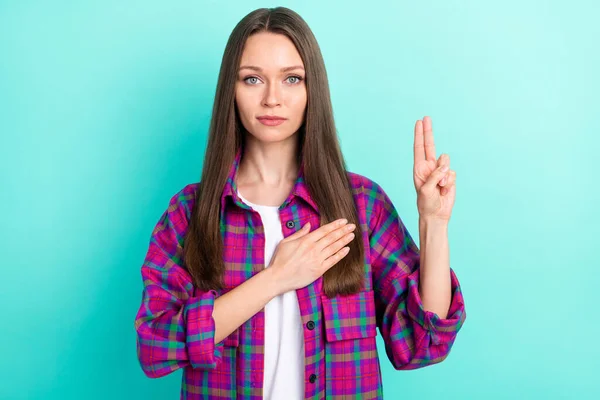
290	224
310	325
312	378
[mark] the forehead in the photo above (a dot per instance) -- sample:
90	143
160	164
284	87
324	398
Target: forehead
270	51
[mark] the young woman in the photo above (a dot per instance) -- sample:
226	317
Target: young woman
269	277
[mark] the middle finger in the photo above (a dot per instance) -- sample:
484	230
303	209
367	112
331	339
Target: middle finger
334	236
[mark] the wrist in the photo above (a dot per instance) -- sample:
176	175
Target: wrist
432	222
271	282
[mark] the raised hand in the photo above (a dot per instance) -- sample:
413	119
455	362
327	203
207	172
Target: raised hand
435	186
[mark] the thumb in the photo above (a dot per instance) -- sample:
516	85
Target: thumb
435	177
301	232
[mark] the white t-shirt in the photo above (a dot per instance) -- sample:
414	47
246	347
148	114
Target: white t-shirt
284	335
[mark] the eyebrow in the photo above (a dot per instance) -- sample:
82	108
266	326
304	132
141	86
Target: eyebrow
285	69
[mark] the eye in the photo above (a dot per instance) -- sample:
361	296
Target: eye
250	77
298	79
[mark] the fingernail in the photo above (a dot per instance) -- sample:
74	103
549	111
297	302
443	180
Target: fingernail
343	221
445	168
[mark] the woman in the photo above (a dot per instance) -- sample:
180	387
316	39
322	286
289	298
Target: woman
290	261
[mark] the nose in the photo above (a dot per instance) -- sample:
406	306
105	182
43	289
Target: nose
272	96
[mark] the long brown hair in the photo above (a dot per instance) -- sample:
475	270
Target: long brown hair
324	165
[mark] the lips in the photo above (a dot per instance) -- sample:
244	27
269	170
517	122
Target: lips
270	118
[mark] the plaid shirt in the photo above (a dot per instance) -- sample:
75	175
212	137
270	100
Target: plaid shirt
175	328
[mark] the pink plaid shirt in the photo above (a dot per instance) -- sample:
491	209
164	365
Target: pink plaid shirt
175	328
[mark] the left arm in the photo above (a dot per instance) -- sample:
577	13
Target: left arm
415	336
434	283
420	307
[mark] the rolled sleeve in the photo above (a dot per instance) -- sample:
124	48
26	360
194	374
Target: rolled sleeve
200	331
441	330
174	322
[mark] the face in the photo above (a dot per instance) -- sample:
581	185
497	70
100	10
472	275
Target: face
270	82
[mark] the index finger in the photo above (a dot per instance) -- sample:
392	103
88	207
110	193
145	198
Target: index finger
419	143
325	229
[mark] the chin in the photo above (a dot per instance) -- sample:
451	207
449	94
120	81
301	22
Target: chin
271	134
272	137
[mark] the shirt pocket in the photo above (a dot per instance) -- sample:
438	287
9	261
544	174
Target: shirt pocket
349	317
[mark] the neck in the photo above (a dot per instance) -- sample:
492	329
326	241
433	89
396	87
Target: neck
271	164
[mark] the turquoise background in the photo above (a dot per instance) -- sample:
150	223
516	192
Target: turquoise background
104	112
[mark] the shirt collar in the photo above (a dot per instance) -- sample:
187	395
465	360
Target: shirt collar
230	190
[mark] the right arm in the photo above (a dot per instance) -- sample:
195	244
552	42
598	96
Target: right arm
238	305
178	325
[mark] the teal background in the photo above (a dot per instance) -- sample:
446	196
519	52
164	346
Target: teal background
104	112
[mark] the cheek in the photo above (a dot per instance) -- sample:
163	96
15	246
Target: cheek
299	104
243	103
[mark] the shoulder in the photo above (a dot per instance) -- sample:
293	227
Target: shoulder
367	189
182	201
363	186
369	196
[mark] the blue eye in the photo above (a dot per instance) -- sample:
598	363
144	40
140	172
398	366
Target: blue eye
250	77
298	79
